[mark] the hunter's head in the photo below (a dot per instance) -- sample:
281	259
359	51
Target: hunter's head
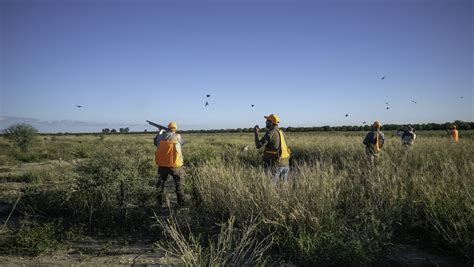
173	126
376	125
272	121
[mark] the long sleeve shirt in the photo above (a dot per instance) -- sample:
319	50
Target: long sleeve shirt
371	140
271	142
164	135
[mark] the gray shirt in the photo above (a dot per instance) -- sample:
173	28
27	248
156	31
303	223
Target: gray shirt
370	138
164	135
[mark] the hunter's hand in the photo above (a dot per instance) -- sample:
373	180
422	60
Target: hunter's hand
256	129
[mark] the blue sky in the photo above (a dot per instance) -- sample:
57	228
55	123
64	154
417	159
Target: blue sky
311	62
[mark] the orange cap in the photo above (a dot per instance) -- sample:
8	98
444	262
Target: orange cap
273	118
172	125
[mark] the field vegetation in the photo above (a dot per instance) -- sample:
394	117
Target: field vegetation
334	210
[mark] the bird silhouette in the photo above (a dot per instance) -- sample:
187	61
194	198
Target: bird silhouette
462	97
207	104
78	106
383	78
387	108
253	105
413	101
208	95
347	115
386	103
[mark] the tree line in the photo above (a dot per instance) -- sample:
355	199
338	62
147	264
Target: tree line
19	131
113	131
461	125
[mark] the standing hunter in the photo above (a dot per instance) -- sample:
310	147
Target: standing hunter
373	142
169	158
276	156
408	136
453	133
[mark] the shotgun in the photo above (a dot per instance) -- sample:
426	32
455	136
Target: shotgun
160	127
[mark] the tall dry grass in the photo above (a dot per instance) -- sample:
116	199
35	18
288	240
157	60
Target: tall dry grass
335	210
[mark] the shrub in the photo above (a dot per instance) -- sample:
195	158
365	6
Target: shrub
38	238
232	246
23	135
116	176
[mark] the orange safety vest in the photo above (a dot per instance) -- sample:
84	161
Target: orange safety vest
455	135
167	154
284	151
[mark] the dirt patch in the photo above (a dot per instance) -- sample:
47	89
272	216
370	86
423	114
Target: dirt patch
405	255
134	255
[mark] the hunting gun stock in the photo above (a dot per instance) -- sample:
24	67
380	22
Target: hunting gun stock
160	127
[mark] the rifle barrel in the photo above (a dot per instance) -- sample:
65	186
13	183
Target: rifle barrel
161	127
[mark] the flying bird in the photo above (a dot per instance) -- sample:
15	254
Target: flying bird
413	101
462	97
253	105
78	106
387	108
207	104
383	78
208	95
347	115
386	103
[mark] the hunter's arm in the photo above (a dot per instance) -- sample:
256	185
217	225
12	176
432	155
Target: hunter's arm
367	139
261	142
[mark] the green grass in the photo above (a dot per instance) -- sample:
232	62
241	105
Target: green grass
333	211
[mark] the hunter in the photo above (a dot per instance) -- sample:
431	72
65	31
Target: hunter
408	136
169	158
276	155
373	142
454	134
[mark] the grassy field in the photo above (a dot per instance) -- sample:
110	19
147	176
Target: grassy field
334	211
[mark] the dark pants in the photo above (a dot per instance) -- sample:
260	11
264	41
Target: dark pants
178	177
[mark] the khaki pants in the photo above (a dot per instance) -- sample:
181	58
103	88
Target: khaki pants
178	177
372	156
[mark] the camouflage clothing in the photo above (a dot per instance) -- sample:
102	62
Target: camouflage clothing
178	177
177	173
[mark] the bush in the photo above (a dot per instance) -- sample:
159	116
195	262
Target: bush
23	135
115	177
232	246
36	239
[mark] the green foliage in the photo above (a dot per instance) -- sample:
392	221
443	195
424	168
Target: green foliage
22	135
115	176
36	239
462	125
338	211
232	246
26	156
53	202
325	248
334	211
